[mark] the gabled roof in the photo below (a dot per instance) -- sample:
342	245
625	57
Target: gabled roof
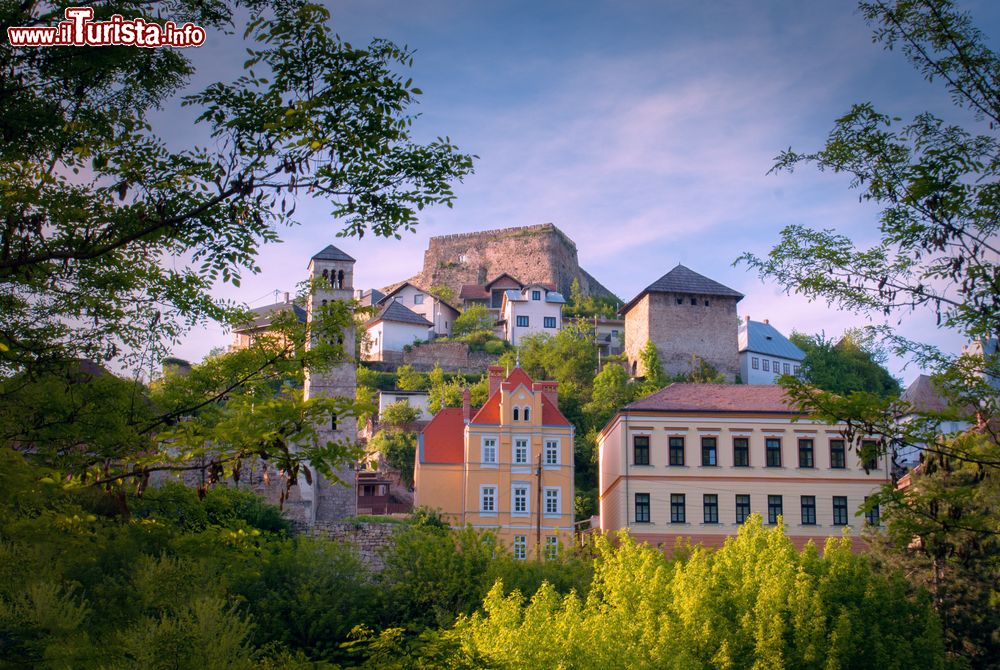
430	295
474	292
763	338
397	312
717	398
490	412
551	416
371	297
500	276
262	316
443	439
687	281
516	378
332	253
924	397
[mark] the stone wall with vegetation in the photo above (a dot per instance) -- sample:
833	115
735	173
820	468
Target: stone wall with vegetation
369	538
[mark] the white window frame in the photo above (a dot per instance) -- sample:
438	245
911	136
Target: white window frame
547	497
526	413
483	488
483	451
551	547
520	547
418	298
526	488
527	451
549	441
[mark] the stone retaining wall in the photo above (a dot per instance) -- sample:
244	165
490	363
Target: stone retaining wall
367	538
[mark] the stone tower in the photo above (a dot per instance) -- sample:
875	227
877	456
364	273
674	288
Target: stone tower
685	314
332	500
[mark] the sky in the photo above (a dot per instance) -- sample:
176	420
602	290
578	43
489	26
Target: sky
644	130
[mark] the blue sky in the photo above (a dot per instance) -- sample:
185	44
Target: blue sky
644	130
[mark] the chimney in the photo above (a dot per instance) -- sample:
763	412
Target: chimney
466	404
747	318
496	373
548	389
287	297
767	322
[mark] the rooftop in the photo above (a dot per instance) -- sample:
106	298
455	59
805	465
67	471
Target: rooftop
684	280
262	315
332	253
763	338
399	313
710	398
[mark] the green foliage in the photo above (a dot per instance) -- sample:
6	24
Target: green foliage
475	319
848	365
444	293
579	305
398	415
612	391
399	448
408	379
757	602
310	115
653	376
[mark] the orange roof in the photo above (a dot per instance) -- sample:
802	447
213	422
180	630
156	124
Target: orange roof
517	376
443	439
551	416
490	412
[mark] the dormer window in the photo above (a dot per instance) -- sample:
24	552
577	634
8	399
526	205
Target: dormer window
536	295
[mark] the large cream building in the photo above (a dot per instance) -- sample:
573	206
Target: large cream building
506	467
694	460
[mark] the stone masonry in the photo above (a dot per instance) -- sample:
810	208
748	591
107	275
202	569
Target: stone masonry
367	539
540	253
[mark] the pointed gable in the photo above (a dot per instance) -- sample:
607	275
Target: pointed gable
489	413
332	253
443	439
516	378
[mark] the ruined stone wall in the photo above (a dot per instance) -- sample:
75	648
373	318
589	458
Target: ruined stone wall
368	539
541	253
680	331
451	356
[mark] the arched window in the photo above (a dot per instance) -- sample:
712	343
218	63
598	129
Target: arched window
324	303
527	413
326	274
340	279
515	414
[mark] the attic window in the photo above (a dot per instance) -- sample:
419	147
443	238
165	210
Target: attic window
694	301
680	301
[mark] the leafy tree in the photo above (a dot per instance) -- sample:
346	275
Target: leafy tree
475	319
653	376
409	379
398	415
584	306
444	293
757	602
844	367
936	184
399	449
612	391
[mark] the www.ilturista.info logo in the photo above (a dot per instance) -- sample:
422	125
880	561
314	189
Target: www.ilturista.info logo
79	29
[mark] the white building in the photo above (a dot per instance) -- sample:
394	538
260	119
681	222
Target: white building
418	400
394	327
535	308
437	311
766	354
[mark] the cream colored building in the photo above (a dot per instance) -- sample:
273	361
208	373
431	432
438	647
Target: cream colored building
506	467
535	308
693	460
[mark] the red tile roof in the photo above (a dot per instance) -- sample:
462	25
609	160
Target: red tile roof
767	398
444	437
473	292
490	412
515	378
551	416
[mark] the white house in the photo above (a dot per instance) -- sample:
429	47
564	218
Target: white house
418	400
535	308
419	301
766	354
393	328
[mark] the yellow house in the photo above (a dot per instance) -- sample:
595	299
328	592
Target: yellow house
694	460
506	468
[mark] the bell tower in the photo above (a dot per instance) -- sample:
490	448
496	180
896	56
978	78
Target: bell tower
331	272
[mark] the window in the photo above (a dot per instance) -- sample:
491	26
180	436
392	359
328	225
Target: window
517	413
694	301
680	301
418	298
709	451
838	458
521	452
520	547
869	451
777	367
676	508
809	510
488	499
767	365
798	370
551	547
640	450
755	362
522	321
872	516
741	452
527	413
549	322
706	303
642	508
711	505
551	501
805	453
333	422
839	510
368	490
536	295
551	452
677	451
489	450
786	368
519	495
742	507
773	445
773	509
